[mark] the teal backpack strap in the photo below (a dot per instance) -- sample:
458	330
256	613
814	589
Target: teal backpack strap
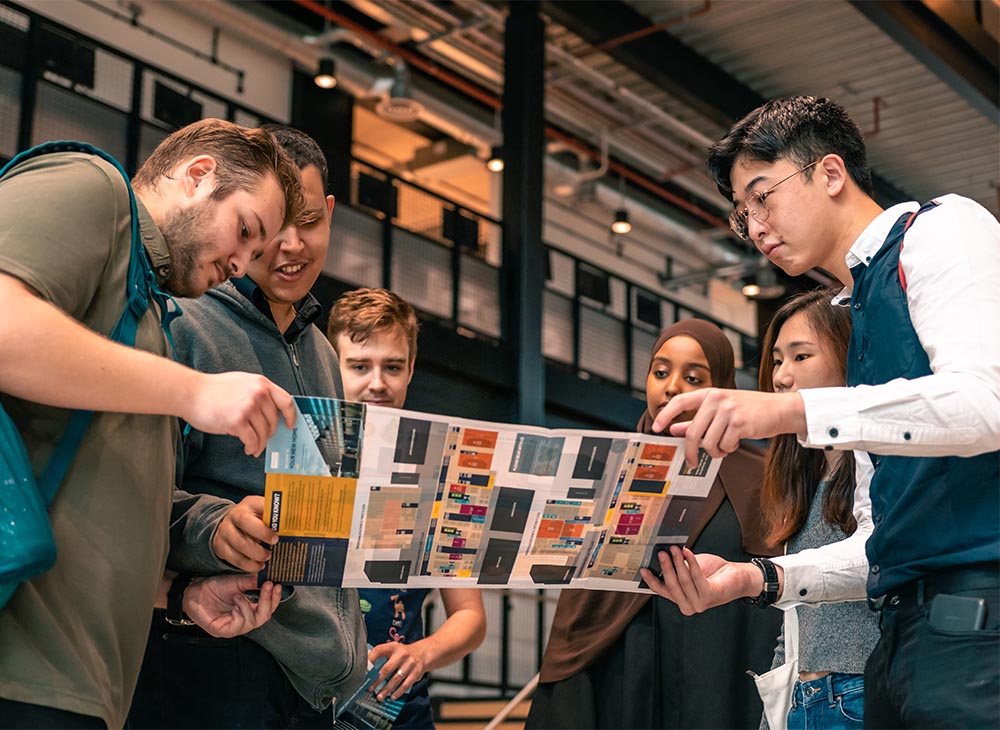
140	287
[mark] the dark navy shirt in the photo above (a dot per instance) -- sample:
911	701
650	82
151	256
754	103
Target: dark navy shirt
397	615
307	309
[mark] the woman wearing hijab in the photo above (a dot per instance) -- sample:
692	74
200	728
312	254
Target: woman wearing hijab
623	660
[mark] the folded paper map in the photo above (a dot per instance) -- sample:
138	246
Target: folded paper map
367	496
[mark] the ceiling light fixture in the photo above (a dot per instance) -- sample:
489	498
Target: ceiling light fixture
763	285
495	161
621	224
751	289
399	106
326	74
564	190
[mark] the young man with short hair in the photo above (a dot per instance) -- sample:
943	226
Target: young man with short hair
924	400
287	672
72	638
375	334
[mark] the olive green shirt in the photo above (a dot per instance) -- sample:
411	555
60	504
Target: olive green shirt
73	638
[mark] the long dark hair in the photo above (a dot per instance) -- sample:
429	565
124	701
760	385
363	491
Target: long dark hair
792	471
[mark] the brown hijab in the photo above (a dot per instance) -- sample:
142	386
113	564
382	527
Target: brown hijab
718	352
588	622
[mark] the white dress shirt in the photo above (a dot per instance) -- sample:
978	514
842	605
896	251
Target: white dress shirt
951	262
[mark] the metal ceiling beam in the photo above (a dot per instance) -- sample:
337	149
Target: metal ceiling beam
964	56
656	56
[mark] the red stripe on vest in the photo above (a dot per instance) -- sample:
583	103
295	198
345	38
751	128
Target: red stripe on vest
899	264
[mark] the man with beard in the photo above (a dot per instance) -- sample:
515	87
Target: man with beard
285	673
209	199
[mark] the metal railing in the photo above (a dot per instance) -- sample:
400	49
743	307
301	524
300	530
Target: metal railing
517	627
446	260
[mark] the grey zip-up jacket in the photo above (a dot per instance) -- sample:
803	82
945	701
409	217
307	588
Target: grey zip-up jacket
317	634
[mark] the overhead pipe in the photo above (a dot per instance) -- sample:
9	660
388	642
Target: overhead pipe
650	29
578	65
602	170
877	104
638	179
414	59
489	99
460	28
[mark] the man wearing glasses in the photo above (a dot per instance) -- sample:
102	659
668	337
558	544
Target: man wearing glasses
923	400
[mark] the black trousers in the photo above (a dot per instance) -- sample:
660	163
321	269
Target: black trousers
24	715
192	680
923	675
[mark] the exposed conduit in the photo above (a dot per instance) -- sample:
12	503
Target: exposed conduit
485	97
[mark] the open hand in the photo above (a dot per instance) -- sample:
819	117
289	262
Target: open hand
219	605
697	583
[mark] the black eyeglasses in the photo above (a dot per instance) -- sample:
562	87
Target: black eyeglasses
754	205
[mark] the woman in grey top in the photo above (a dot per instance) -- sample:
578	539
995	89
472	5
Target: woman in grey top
807	501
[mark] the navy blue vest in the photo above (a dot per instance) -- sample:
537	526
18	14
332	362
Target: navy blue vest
930	513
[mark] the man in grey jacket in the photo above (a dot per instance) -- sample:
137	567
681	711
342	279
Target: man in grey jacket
288	671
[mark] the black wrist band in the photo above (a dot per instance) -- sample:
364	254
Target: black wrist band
769	594
175	599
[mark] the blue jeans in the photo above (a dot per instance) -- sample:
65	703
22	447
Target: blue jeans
833	702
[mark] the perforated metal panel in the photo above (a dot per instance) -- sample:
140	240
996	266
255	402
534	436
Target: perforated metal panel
683	313
149	138
737	342
522	637
421	273
419	211
10	111
112	80
619	295
642	351
668	313
247	119
602	344
13	18
211	108
14	30
355	253
62	114
563	273
557	327
479	296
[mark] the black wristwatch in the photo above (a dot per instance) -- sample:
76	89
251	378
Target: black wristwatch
175	599
771	586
